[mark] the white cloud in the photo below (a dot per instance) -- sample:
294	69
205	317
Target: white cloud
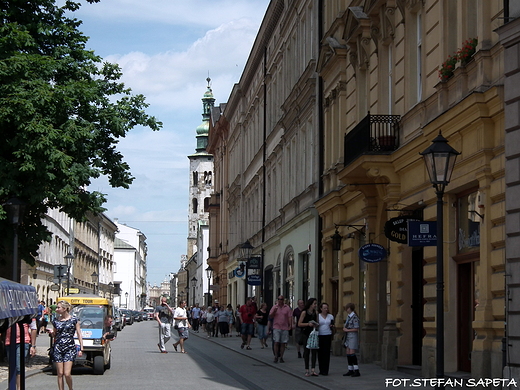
175	78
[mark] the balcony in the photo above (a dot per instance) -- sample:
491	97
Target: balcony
375	134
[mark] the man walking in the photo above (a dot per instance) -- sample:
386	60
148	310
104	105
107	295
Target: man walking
282	323
163	315
247	317
195	318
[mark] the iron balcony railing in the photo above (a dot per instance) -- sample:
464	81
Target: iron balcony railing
374	134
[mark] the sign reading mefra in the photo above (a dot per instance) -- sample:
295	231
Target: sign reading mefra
422	233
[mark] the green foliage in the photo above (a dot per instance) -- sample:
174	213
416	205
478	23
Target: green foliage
62	112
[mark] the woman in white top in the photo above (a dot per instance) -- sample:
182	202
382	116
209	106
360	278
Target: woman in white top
210	321
325	331
182	325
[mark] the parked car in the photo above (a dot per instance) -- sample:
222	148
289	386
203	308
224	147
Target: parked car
118	323
149	312
144	316
128	316
137	315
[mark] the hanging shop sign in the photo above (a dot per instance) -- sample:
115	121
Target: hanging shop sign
254	280
396	229
240	272
254	263
372	253
422	233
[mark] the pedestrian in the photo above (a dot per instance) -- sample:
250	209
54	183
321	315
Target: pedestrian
238	322
247	317
351	329
210	321
52	308
298	330
223	321
325	332
282	323
203	313
229	309
309	321
41	317
30	331
64	350
163	314
216	309
262	322
182	325
195	318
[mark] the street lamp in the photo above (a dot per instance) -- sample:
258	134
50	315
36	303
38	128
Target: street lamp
69	259
94	276
110	289
245	249
126	296
440	158
193	284
209	274
15	209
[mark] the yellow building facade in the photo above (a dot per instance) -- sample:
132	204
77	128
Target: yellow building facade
391	83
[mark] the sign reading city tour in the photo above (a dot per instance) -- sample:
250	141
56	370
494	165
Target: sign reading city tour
372	253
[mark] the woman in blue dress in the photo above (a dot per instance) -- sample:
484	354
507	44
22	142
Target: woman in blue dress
64	351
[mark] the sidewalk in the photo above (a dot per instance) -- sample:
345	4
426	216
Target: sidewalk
372	376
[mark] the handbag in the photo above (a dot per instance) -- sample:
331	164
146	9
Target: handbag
313	340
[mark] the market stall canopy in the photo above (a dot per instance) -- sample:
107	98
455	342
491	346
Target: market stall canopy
16	301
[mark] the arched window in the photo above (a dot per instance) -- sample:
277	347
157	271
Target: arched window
206	204
195	205
195	178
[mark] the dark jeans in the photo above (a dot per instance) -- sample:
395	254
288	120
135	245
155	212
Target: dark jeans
313	353
195	324
324	353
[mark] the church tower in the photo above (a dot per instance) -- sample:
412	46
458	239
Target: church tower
201	176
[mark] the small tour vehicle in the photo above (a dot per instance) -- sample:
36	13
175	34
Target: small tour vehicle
92	311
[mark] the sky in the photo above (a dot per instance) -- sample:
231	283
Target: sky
166	50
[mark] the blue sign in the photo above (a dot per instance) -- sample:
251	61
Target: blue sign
372	253
422	233
254	280
239	273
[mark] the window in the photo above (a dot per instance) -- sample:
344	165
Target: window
195	205
468	223
195	178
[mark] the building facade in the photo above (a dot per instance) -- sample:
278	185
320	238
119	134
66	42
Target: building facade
84	250
130	256
321	139
265	144
391	84
510	39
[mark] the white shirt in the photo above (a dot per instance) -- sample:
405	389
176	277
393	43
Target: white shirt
324	328
180	312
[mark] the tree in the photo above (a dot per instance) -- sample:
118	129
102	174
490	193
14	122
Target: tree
62	112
